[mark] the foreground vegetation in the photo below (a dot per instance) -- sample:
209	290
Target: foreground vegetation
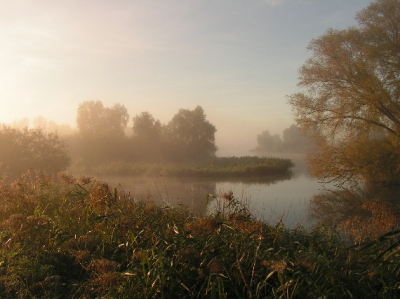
75	238
216	167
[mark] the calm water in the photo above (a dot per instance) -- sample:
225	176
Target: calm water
287	199
268	200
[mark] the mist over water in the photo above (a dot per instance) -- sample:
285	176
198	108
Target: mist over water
270	200
103	145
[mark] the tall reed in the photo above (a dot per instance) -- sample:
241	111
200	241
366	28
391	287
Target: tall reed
76	238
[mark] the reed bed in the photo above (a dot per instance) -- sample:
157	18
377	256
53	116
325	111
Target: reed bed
76	238
217	167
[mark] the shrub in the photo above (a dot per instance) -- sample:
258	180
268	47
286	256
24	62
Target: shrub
31	149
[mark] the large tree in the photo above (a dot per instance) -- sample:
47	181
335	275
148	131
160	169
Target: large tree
267	143
146	127
147	132
95	120
350	101
190	136
101	136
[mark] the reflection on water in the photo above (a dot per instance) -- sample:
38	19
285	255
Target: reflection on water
363	213
270	199
170	191
295	199
285	199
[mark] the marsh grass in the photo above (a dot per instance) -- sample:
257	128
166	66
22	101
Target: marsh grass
76	238
217	167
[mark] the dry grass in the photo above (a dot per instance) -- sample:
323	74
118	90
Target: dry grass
75	238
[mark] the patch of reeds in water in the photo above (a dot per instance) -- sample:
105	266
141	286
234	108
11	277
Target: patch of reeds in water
75	238
218	167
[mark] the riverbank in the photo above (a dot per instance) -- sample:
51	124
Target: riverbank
77	238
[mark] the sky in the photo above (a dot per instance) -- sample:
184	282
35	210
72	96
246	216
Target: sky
237	59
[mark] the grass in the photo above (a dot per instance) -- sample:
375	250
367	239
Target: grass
75	238
218	167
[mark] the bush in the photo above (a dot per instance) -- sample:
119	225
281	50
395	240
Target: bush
21	150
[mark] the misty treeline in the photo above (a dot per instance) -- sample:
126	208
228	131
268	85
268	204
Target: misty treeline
39	122
292	141
104	135
23	149
101	136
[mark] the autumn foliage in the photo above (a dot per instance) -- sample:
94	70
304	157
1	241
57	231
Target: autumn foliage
350	101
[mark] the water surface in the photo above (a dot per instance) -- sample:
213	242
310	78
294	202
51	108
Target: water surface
269	200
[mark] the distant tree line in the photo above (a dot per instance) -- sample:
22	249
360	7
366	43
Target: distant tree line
292	141
39	122
102	137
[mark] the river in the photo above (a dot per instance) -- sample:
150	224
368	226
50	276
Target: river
269	200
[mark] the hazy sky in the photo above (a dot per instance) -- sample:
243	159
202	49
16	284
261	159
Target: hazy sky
236	59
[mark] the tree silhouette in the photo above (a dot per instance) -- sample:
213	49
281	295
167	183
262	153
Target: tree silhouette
95	120
190	136
267	143
101	137
147	133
